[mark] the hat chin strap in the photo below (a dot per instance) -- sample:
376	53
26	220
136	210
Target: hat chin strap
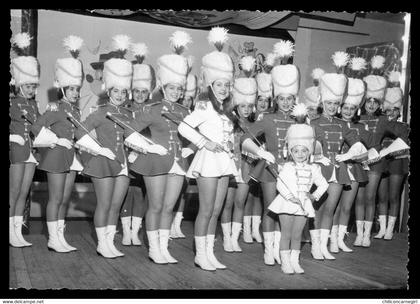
21	92
214	93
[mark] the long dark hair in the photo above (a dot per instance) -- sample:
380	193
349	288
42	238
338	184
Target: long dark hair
60	91
378	111
226	105
236	122
276	105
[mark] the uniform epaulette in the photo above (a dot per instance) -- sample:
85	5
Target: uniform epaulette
148	107
52	106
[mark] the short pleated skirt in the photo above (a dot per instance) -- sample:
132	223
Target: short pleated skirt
282	206
398	166
100	166
358	173
336	173
59	160
21	154
210	164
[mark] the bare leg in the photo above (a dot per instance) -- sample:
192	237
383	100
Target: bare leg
16	172
207	187
103	190
395	193
360	203
334	192
222	185
286	222
299	223
24	188
269	193
227	209
346	202
371	188
118	194
383	195
172	192
56	183
240	198
155	186
68	189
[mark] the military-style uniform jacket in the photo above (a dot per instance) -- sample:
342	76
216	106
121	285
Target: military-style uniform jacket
274	126
58	159
164	132
396	164
111	135
21	125
332	133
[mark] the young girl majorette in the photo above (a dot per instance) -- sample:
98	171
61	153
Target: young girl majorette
350	113
243	97
135	203
213	163
285	79
61	162
294	201
164	174
395	166
23	113
332	132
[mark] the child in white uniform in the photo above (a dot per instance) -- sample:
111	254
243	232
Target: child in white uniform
294	201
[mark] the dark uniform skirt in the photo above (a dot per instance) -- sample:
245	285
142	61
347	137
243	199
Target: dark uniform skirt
398	166
18	153
378	167
153	164
341	174
100	166
359	174
56	160
261	172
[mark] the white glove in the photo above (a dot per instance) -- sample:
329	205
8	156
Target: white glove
357	149
323	160
132	157
17	139
342	157
107	153
157	149
266	155
137	142
64	142
45	138
185	152
86	143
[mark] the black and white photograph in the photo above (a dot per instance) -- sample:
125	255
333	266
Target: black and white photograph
185	150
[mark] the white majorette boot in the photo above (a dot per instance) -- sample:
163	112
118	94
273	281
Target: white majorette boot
315	244
342	230
227	237
60	230
126	223
200	259
173	233
110	232
154	248
13	239
236	230
276	246
359	237
390	228
177	225
18	230
210	252
366	234
246	233
54	243
286	267
103	248
268	248
163	243
333	239
294	261
256	221
382	227
324	233
135	228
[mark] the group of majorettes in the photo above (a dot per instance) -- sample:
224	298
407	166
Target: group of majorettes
256	154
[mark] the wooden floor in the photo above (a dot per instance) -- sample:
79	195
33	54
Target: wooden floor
382	266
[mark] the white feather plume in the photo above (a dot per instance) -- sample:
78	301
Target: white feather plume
394	76
22	40
121	42
317	73
218	36
340	59
247	63
179	40
358	63
377	62
72	43
270	59
139	49
284	48
299	110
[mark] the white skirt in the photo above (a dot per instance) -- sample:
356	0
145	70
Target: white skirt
281	205
210	164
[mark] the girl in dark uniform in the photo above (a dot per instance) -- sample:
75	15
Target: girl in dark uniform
61	162
108	168
135	202
395	166
164	175
285	79
243	97
332	133
23	112
358	175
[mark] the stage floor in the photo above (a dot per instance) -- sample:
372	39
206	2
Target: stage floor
382	266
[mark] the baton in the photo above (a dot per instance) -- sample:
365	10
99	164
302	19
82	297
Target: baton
126	126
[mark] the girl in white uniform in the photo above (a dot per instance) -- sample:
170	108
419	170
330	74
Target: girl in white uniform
294	201
213	162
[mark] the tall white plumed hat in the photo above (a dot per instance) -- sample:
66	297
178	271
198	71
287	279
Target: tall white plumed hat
118	72
173	68
69	71
393	94
264	79
217	64
285	76
356	87
312	96
333	85
143	74
300	134
376	83
24	69
245	87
